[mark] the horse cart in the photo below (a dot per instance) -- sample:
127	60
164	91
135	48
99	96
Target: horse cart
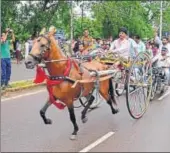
134	77
71	78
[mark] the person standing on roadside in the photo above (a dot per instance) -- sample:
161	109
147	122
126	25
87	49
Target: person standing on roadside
6	58
26	48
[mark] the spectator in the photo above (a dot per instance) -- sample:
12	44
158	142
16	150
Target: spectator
133	47
98	45
155	49
87	40
149	49
164	61
157	40
6	58
18	51
166	44
140	45
27	48
30	41
76	46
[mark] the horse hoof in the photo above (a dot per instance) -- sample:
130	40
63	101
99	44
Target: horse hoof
84	120
48	121
115	111
72	137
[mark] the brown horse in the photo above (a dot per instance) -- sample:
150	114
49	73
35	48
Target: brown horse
46	49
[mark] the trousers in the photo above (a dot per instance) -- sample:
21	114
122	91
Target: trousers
5	70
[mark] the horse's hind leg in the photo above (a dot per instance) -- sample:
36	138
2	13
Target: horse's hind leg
43	111
114	110
73	120
83	116
109	96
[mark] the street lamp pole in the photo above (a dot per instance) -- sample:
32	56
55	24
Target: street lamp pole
160	27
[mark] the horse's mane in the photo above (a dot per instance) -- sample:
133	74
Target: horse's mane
53	40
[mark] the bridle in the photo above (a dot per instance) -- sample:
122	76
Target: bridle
43	49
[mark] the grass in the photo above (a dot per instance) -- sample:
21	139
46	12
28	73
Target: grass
21	83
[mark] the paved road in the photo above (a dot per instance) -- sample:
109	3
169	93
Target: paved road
19	72
22	129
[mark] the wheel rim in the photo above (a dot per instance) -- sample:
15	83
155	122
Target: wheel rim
138	99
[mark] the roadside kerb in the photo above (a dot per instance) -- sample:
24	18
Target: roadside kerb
23	87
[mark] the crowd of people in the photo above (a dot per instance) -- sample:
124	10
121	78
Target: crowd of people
126	43
128	46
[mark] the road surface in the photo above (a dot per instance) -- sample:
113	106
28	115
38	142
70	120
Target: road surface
22	129
19	72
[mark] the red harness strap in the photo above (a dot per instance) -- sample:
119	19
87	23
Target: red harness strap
41	76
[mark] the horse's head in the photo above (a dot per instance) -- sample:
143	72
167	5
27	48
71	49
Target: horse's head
39	51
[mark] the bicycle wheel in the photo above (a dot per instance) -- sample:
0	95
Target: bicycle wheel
153	92
139	76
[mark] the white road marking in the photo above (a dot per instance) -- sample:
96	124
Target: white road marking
19	96
97	142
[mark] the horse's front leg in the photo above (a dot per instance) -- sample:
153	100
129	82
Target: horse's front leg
43	111
83	114
73	120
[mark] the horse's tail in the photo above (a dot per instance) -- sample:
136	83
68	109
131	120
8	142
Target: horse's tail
111	91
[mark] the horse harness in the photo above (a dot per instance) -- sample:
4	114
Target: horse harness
55	80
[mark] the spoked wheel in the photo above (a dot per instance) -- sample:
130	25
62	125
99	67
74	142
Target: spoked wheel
98	98
139	86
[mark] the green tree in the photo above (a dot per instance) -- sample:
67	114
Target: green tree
112	15
89	24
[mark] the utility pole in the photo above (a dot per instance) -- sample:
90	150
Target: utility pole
71	26
82	14
160	26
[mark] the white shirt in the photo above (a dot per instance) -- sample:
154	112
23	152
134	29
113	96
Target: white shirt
121	46
141	47
164	61
168	47
18	46
26	49
133	47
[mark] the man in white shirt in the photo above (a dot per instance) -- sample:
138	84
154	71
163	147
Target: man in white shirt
132	48
157	40
121	45
164	61
166	44
26	48
140	45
